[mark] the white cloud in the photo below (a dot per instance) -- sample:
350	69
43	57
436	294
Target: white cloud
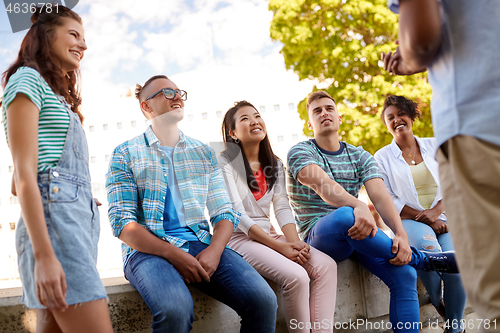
238	32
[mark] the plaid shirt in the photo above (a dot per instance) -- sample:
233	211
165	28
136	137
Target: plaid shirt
137	181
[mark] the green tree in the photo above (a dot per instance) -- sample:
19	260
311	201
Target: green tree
339	43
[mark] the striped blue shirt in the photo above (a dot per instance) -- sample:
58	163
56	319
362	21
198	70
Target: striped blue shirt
137	181
350	167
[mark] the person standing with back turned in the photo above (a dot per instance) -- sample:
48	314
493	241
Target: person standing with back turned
459	46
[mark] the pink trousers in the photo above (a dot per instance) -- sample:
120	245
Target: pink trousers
309	291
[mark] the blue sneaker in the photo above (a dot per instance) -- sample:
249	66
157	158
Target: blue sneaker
440	262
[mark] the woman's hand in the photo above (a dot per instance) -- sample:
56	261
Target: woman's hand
97	202
50	283
428	216
302	245
295	252
13	186
439	227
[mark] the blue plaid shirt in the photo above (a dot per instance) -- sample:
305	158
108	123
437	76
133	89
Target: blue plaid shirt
137	181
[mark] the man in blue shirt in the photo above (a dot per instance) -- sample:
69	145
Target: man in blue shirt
457	42
158	186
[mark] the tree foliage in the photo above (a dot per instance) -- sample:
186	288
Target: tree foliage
338	43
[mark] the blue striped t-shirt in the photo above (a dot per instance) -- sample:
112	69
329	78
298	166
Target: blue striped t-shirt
350	167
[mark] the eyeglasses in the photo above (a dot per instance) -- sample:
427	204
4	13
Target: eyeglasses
170	94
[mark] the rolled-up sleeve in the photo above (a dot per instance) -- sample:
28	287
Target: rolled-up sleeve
398	202
121	191
218	202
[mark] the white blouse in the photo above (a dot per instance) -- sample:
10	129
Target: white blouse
397	175
253	211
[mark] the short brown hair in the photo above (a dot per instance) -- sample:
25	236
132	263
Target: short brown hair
318	95
139	88
405	105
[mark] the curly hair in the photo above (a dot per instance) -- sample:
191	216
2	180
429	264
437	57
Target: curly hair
405	105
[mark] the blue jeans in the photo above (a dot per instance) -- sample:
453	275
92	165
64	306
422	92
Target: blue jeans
234	283
330	235
423	237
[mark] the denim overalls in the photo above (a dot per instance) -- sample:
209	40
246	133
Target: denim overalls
72	221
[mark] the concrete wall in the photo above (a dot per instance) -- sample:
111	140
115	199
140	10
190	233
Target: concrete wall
360	295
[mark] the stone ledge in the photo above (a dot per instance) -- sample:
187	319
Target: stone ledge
360	295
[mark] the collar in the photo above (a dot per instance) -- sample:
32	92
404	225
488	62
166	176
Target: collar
398	153
152	140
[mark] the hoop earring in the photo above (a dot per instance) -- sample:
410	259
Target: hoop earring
237	141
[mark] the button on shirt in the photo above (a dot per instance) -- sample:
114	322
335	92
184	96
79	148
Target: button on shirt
137	181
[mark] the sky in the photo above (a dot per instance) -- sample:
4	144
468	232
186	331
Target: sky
129	41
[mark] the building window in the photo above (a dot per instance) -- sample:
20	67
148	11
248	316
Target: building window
11	168
276	107
91	128
119	125
295	137
107	158
262	109
93	159
204	116
133	123
291	106
190	117
105	127
280	138
219	114
12	225
14	200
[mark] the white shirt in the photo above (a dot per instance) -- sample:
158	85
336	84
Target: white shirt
397	175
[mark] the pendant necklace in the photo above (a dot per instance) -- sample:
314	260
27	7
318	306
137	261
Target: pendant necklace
412	159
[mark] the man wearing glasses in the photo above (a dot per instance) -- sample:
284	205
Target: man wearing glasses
158	186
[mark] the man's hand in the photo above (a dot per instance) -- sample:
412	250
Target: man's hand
394	64
428	216
439	227
209	259
364	224
189	267
402	249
